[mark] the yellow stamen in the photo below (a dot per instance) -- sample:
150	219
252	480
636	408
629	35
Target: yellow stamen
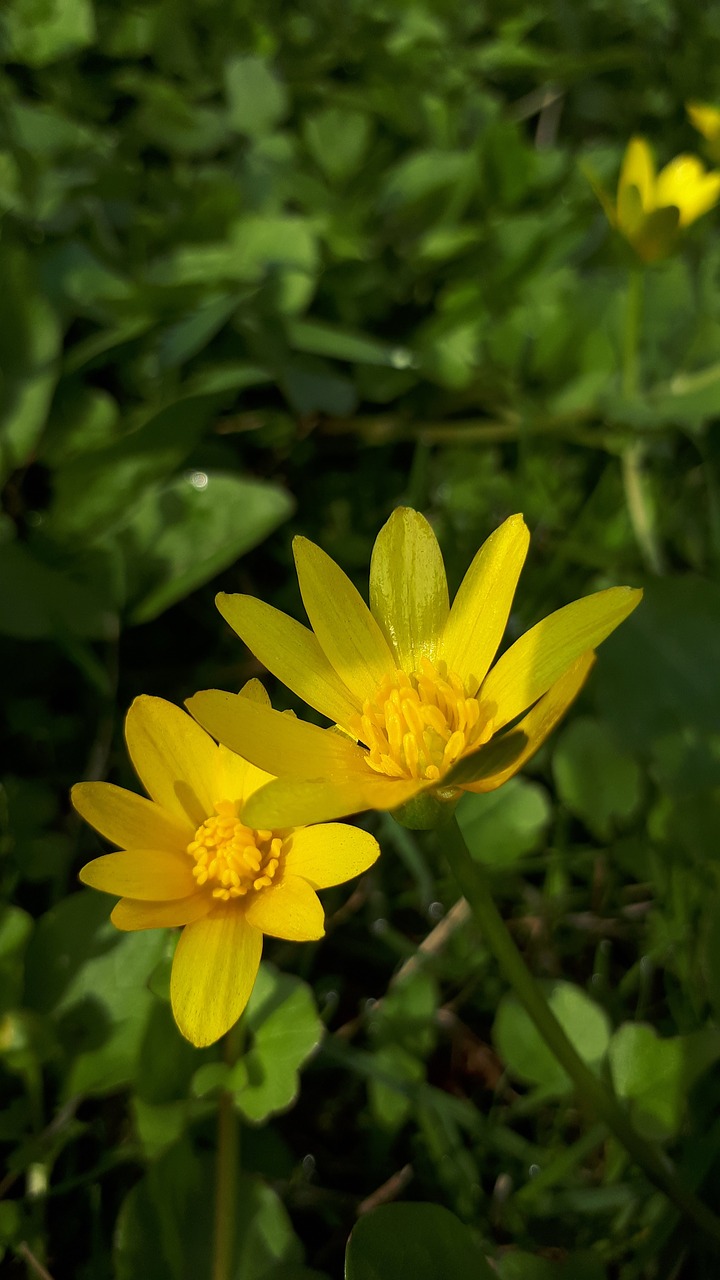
234	857
419	725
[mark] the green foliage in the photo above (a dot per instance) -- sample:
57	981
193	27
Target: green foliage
277	269
165	1225
503	825
421	1240
284	1029
525	1053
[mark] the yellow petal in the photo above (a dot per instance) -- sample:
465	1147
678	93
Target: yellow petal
238	778
174	758
480	610
539	723
349	635
128	820
705	118
129	914
638	170
291	802
330	853
147	874
408	587
213	973
528	669
255	690
273	741
289	910
291	652
685	183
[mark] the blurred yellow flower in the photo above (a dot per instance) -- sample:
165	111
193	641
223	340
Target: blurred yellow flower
706	120
188	858
651	208
409	681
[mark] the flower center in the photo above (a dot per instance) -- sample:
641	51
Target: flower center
417	726
233	858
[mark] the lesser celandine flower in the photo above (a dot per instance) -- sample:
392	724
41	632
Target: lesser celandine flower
188	858
422	712
651	208
706	120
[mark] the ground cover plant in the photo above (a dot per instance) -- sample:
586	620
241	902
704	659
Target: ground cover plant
281	270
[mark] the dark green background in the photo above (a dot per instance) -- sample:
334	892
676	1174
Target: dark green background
268	269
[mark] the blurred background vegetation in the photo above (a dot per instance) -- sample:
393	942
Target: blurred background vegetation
278	268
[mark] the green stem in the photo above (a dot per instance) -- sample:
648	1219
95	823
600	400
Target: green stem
226	1169
633	457
592	1093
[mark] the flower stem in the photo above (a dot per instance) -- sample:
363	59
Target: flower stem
595	1096
226	1169
633	458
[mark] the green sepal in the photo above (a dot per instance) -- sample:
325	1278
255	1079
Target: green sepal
428	810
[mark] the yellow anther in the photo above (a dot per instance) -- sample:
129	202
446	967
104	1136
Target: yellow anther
231	858
418	725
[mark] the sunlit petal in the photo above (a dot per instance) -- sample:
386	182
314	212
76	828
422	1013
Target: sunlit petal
213	973
539	723
481	607
330	853
705	118
348	634
291	652
129	914
174	758
294	802
408	587
273	741
289	910
638	170
147	874
129	820
528	669
685	183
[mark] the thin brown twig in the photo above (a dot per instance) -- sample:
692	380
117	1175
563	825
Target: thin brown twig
26	1252
389	1190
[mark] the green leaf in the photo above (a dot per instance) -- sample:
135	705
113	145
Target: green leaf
92	982
421	175
41	31
598	781
47	602
422	1241
81	418
655	1075
523	1049
165	1227
501	826
337	139
285	1027
185	532
648	680
256	98
30	341
281	246
403	1031
341	344
96	491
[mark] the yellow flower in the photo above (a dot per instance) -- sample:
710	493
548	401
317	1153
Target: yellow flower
187	858
706	120
652	208
409	681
